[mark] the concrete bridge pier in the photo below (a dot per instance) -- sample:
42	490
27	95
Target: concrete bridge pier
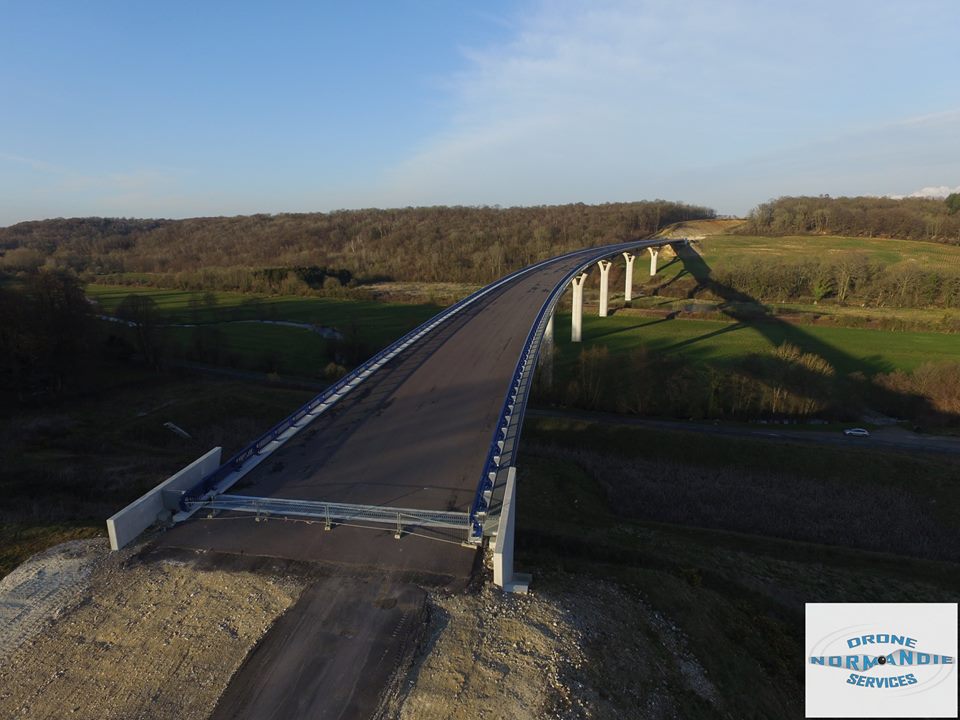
503	574
546	353
548	334
628	282
654	253
604	266
576	319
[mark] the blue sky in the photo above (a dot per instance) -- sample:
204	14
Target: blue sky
176	109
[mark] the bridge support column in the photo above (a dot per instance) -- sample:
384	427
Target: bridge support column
604	266
628	282
503	574
654	252
546	354
576	320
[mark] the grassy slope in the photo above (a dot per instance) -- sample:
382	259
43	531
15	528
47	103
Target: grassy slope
737	597
64	470
934	478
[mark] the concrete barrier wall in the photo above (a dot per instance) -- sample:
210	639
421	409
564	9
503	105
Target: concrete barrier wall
126	525
503	575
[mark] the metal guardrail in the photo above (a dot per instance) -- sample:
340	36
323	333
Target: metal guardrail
514	405
326	399
335	512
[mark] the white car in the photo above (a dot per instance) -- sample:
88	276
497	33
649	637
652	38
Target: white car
857	432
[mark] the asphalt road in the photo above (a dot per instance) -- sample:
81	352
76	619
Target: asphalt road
330	655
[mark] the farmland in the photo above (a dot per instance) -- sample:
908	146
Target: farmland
239	331
719	341
723	252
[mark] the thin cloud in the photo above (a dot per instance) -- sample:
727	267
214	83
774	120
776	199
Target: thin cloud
617	100
34	164
931	191
57	190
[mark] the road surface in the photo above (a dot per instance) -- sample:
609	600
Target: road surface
331	654
414	435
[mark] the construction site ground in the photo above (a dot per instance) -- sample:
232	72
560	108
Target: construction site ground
136	635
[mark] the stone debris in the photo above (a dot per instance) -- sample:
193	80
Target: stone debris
588	650
41	589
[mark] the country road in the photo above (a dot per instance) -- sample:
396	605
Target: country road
888	438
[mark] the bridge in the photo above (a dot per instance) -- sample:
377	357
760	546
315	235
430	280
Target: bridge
417	443
384	484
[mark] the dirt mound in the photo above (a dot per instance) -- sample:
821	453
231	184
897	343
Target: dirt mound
142	640
698	229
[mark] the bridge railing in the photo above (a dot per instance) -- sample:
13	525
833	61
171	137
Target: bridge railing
331	512
500	454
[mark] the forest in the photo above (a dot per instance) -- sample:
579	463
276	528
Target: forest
453	244
907	218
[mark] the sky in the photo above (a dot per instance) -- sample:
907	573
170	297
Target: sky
180	109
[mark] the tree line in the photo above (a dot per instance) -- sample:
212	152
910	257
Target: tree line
852	277
47	338
906	218
54	347
457	244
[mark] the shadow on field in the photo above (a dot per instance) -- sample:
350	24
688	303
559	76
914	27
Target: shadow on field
614	331
747	311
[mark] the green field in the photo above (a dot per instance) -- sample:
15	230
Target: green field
263	348
376	324
300	352
846	349
224	334
721	252
934	319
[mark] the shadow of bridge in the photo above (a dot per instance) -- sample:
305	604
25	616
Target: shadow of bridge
855	373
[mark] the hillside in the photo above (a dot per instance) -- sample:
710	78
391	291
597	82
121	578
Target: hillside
453	244
907	218
699	229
